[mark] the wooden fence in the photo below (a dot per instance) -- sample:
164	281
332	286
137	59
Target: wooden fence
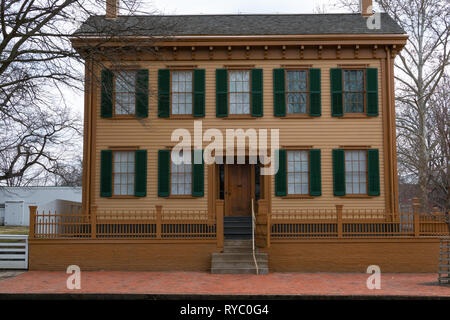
13	251
291	224
129	224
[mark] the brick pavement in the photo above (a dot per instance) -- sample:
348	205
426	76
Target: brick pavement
191	283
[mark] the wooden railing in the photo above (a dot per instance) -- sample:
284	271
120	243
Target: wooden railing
156	224
280	224
340	223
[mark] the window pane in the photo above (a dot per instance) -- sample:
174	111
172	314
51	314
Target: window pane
298	174
355	172
354	91
181	175
123	172
239	87
125	92
181	92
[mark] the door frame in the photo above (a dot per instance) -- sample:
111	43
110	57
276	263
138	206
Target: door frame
226	194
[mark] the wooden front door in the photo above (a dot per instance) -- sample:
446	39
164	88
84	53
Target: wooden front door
239	190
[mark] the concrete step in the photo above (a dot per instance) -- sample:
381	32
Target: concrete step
248	258
238	256
239	270
238	243
238	264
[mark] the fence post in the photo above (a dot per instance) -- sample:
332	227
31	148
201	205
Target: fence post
32	221
158	221
416	210
219	223
339	219
93	214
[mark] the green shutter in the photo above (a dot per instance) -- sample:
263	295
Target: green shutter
372	92
315	103
140	173
279	93
373	166
280	177
163	173
197	174
163	93
257	92
221	93
106	167
199	93
315	176
107	93
142	93
337	109
339	172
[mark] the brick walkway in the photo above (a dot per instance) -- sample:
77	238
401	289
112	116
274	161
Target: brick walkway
190	283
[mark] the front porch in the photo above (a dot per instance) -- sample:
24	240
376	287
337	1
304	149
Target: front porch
337	239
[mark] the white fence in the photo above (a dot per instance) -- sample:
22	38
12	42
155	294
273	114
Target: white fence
13	251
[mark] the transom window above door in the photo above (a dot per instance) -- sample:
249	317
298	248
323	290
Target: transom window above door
239	90
354	91
297	91
181	91
125	92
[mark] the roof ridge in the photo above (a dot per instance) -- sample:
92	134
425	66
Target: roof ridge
235	14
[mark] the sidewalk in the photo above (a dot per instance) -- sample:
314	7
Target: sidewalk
189	284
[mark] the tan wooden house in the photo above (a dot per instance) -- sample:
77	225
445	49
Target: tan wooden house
324	81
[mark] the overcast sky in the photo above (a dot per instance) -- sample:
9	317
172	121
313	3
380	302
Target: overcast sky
237	6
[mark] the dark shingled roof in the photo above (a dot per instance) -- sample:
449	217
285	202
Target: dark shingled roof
242	24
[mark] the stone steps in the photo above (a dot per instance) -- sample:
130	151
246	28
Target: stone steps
237	258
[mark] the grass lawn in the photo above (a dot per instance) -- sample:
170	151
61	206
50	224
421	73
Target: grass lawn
13	230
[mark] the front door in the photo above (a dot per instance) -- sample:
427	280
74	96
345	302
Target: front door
239	190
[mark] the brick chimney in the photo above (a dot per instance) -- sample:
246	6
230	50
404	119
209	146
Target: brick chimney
364	7
112	9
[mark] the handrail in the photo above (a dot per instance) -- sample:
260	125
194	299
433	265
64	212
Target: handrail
253	236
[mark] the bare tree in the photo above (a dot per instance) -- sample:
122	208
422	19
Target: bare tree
420	68
38	131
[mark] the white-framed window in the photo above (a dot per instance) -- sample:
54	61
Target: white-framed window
297	91
180	174
298	172
123	172
181	92
239	90
355	171
354	91
125	92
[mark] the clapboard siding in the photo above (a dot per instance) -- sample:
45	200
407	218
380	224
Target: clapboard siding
325	133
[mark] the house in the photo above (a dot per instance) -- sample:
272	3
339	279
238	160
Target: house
14	202
313	179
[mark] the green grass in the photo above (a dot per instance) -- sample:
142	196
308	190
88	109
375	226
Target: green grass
13	230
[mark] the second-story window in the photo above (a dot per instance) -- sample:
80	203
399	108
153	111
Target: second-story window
125	93
239	86
297	91
354	91
181	92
